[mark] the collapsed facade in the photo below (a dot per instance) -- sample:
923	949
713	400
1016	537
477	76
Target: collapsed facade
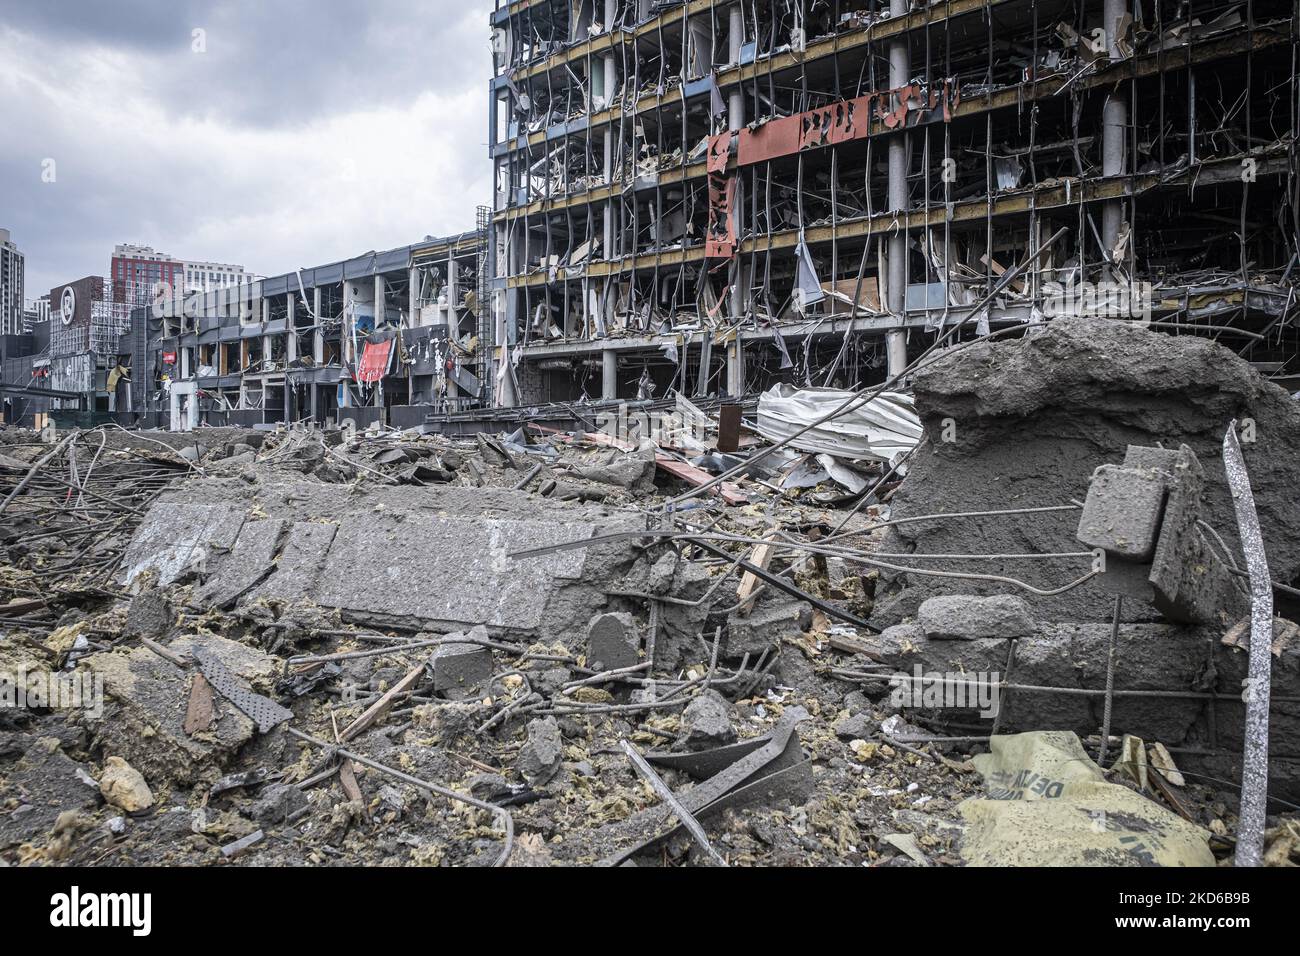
705	199
709	196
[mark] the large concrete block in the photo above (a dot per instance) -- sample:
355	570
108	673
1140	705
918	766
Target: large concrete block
461	671
1122	512
964	617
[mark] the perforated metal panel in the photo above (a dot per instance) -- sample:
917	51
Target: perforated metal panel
263	711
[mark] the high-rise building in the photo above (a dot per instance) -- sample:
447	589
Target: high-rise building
136	273
12	304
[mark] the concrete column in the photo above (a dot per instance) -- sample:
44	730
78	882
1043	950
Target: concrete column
1114	123
453	295
900	70
735	368
609	375
291	341
611	79
735	120
505	395
345	343
412	298
735	24
317	338
607	214
381	288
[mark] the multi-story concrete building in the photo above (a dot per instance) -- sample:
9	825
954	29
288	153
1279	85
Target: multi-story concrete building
41	308
90	317
137	273
210	276
390	336
12	274
710	196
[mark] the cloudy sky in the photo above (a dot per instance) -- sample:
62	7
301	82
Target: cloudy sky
286	133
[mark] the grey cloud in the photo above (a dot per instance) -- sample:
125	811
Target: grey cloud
274	63
271	69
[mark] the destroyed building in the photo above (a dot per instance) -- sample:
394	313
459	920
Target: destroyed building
382	337
709	197
953	520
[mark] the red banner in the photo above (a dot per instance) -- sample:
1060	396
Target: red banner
374	361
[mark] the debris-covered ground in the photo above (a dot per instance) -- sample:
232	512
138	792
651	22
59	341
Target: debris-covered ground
560	647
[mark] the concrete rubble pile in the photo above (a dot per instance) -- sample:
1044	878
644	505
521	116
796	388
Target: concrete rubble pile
577	646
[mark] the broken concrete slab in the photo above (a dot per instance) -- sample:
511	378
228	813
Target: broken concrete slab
298	565
441	563
249	562
148	697
174	537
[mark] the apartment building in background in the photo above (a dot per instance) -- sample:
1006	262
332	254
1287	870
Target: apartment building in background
210	276
137	272
12	276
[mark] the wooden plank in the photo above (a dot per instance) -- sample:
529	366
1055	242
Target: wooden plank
695	477
761	556
383	705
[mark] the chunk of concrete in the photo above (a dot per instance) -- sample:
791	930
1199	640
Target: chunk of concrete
612	642
461	671
1122	512
765	626
539	759
124	787
854	727
147	699
276	803
965	617
706	722
150	614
